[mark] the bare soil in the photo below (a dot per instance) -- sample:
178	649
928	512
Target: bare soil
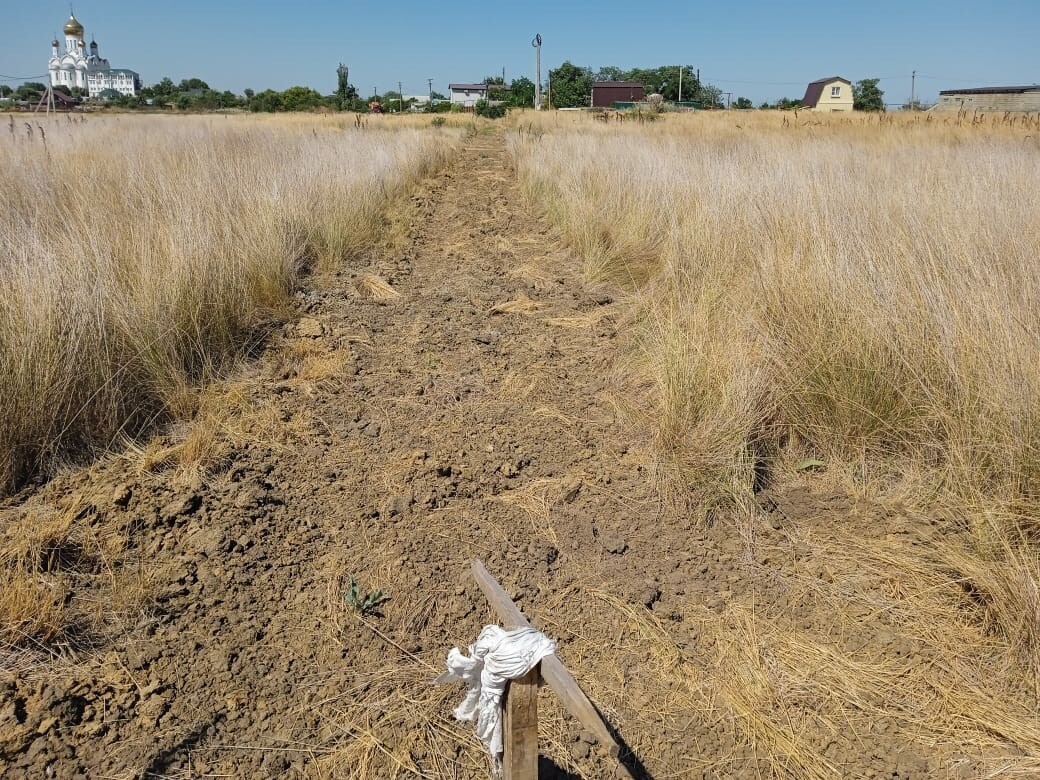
394	433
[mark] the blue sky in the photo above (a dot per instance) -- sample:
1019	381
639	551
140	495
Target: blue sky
755	48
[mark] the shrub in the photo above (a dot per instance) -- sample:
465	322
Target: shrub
485	109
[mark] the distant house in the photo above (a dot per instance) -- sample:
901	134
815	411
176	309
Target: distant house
991	99
830	94
467	95
606	93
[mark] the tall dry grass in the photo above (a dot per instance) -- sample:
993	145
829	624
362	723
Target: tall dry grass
140	255
859	293
865	296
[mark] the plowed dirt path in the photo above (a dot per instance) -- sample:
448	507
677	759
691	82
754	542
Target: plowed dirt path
467	415
412	435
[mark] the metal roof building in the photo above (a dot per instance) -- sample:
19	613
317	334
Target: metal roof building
1025	98
833	93
606	93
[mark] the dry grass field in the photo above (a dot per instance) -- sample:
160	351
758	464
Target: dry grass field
138	255
815	339
848	303
863	294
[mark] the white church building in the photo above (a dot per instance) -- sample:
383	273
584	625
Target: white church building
90	72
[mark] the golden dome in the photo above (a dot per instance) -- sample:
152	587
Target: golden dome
73	27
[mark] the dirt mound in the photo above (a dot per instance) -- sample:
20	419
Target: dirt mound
386	440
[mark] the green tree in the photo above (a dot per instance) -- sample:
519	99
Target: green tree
435	95
248	93
268	101
743	102
30	90
300	99
664	80
709	95
497	89
164	88
187	85
346	94
391	100
485	109
5	91
611	73
571	86
521	92
442	106
867	96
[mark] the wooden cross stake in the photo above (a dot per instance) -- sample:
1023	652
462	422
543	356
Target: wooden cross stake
521	747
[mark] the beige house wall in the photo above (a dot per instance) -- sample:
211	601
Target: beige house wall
992	101
841	103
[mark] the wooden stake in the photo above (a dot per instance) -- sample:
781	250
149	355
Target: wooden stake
520	728
555	673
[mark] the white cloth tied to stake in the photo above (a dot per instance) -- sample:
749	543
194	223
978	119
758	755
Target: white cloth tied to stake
498	655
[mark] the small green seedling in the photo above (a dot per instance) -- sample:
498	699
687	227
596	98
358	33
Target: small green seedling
365	603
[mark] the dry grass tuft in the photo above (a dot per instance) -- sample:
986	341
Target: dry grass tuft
48	552
32	610
375	288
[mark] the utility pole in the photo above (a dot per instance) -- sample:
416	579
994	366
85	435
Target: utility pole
680	83
913	79
400	97
429	83
47	99
537	43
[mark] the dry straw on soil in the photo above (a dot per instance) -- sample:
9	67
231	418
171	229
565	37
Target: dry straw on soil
139	255
861	293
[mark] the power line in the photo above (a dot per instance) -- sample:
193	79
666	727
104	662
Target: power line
22	78
768	83
958	78
800	83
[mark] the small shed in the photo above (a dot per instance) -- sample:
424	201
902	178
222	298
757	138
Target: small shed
830	94
990	99
606	93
